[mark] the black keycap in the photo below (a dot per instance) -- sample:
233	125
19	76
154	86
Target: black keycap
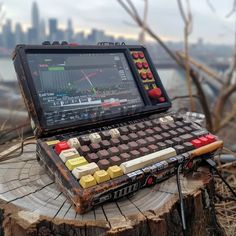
141	134
188	146
105	144
187	122
133	136
105	135
179	123
157	130
125	157
180	131
150	140
104	164
148	124
84	140
92	157
186	137
103	154
156	122
176	140
115	141
132	128
83	150
140	126
199	133
173	133
115	160
158	137
161	145
172	125
113	151
123	148
144	151
178	117
179	149
123	130
135	154
165	127
142	142
94	147
169	143
187	128
132	145
124	139
165	135
149	132
153	148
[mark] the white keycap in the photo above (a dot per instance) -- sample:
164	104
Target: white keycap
74	143
146	160
169	119
166	119
88	169
95	138
115	133
68	154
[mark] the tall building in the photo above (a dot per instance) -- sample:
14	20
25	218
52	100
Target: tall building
19	35
42	32
8	36
69	31
53	30
35	21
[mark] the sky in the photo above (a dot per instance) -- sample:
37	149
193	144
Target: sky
164	17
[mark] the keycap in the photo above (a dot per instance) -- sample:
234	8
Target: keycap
161	145
114	133
188	146
150	140
84	140
140	126
180	131
88	169
149	132
211	138
203	140
75	162
146	160
95	138
125	157
114	171
113	151
179	149
148	124
144	151
123	130
187	129
52	142
124	139
186	137
165	135
115	160
87	181
132	128
123	148
133	136
92	157
158	137
115	141
173	133
165	127
101	176
176	140
105	144
59	147
105	135
103	154
134	153
94	147
74	143
141	134
157	130
169	143
83	150
103	164
199	133
141	142
153	147
132	145
68	154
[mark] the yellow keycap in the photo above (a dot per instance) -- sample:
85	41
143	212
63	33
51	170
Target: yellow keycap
114	171
52	142
87	181
101	176
75	162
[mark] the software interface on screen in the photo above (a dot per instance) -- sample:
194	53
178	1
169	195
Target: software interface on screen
82	87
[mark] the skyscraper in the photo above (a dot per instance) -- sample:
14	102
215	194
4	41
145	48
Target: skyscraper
35	20
69	31
53	29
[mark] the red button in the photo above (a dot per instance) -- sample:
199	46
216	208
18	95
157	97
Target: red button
145	65
211	138
162	99
139	65
204	141
135	55
149	75
61	146
150	181
141	55
143	75
155	93
196	143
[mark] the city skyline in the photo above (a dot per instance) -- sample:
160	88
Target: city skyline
107	15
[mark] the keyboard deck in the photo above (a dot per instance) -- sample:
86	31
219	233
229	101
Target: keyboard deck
114	162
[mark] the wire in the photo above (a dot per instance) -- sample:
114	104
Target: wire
181	198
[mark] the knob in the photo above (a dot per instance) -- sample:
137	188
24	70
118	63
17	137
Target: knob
154	93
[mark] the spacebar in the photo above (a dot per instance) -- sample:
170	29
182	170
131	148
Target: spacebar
146	160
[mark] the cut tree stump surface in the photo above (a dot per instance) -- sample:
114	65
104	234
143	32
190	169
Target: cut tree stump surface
32	204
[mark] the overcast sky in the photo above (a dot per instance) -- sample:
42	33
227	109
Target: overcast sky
108	15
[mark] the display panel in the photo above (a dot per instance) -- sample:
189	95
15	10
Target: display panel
83	87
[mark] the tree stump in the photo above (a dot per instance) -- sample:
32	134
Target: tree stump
32	204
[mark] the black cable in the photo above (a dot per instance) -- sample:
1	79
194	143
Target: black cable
212	165
181	198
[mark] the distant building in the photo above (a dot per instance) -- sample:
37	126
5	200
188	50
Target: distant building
69	31
53	30
7	35
19	34
35	21
42	32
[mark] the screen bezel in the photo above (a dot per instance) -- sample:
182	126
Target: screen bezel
75	50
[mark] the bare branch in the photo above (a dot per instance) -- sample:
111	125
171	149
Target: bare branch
232	10
181	10
210	5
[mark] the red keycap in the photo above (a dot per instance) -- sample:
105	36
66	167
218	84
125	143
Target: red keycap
204	141
196	143
135	55
145	65
149	75
143	75
155	93
141	55
61	146
211	138
150	181
139	65
162	99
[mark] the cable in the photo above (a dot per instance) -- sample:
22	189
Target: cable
211	163
181	198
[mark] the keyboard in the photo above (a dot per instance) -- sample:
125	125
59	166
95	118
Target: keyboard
116	161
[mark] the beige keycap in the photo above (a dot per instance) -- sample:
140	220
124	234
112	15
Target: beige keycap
95	138
88	169
147	160
115	133
74	143
68	154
